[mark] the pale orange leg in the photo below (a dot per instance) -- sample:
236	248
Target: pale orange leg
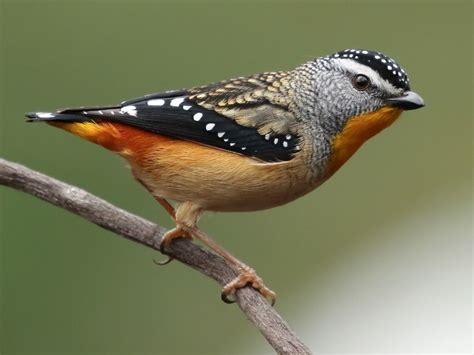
171	234
167	206
246	277
177	232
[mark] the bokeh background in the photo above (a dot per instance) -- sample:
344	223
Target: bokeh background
377	260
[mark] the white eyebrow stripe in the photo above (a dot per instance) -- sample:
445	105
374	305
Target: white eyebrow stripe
375	78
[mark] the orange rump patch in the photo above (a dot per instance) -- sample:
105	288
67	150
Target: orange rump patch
122	139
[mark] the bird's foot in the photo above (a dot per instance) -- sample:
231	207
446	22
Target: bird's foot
247	277
168	237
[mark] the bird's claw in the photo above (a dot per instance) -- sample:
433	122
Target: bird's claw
166	241
247	277
225	298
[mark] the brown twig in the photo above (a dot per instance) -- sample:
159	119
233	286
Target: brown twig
256	308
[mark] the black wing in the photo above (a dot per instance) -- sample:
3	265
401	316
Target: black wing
254	127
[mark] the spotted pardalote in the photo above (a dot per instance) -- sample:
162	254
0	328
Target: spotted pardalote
249	143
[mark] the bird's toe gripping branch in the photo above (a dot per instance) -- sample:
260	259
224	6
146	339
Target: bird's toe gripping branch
169	236
247	277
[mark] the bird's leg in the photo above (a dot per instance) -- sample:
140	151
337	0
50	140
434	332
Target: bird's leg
167	206
163	202
187	215
246	277
176	232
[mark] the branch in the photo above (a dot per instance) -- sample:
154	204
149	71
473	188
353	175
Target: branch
78	201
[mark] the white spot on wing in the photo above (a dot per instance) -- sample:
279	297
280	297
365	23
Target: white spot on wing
186	107
197	116
177	101
220	134
210	126
156	102
130	110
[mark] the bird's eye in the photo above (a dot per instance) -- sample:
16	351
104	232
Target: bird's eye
361	82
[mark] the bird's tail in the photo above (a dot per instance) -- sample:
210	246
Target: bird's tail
84	122
79	114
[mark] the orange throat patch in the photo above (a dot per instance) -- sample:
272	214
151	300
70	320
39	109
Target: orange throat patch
356	131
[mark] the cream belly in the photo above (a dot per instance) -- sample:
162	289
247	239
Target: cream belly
216	180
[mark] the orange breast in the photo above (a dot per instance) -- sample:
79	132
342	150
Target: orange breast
356	132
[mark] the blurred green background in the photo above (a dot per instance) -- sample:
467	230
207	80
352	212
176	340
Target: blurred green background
377	260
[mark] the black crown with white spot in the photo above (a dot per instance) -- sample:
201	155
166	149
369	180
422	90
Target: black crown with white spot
385	66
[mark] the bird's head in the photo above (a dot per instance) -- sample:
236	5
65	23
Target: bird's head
352	95
353	83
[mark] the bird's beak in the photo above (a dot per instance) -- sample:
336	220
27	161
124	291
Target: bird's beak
408	101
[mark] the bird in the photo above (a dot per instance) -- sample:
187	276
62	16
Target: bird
246	144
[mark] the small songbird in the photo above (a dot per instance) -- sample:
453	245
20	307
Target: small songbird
249	143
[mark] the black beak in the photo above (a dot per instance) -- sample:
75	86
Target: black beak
408	101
